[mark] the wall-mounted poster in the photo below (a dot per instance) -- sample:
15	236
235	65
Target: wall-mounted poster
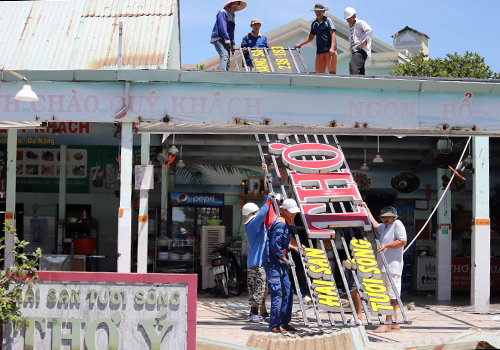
89	169
44	163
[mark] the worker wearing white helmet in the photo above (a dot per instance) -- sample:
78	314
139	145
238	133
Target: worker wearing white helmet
256	232
360	39
276	262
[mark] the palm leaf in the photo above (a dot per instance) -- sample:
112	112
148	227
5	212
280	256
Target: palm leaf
232	170
196	175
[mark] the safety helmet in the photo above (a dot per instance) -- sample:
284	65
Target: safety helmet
249	208
279	197
290	205
349	12
388	211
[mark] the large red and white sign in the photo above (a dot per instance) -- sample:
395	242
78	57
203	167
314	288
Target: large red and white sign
317	180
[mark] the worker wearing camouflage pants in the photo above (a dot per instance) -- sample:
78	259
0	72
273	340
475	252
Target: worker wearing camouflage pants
256	232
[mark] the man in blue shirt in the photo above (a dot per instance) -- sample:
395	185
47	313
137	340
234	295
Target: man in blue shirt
256	232
323	29
276	263
223	32
252	40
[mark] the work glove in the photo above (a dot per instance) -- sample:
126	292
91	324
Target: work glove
269	179
227	45
233	49
289	263
271	196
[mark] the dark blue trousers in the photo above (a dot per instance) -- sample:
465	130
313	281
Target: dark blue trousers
281	295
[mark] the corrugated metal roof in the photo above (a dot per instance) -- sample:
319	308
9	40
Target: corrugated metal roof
83	34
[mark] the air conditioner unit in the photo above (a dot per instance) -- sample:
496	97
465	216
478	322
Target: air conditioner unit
210	237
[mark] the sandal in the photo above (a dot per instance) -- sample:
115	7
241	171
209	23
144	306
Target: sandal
395	328
382	329
276	330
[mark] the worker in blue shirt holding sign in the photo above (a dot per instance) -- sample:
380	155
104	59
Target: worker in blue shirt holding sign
252	40
276	263
256	231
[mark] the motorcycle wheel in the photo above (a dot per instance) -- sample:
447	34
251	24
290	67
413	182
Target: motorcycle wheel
234	284
222	285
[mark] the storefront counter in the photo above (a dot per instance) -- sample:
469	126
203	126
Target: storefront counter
425	273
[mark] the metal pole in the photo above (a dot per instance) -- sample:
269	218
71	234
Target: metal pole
120	43
62	196
10	202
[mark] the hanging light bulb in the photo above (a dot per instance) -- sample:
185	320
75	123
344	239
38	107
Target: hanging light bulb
173	149
364	167
180	163
378	158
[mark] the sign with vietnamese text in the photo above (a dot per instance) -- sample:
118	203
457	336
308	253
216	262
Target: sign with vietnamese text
100	314
190	106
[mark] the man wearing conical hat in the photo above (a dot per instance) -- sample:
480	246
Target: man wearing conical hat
223	32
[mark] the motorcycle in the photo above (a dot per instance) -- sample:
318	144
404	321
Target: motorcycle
227	271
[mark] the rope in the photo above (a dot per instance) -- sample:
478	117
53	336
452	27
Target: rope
440	199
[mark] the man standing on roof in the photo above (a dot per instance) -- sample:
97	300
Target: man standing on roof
276	263
392	240
360	39
223	32
256	232
323	29
254	39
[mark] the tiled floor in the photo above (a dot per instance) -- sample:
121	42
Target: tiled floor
224	320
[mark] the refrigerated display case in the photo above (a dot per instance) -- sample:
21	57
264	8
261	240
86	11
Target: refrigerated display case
188	214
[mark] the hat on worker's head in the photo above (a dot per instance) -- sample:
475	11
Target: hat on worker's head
291	206
255	20
279	197
249	211
241	7
388	211
320	7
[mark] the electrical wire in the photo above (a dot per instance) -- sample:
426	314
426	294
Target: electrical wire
440	199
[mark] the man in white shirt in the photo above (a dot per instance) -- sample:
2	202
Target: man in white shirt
392	240
360	39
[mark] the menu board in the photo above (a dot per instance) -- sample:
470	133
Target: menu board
44	163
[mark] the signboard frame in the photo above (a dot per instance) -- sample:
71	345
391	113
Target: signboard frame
144	281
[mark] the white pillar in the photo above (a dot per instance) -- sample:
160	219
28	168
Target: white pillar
443	242
480	245
164	195
125	212
142	242
10	201
62	195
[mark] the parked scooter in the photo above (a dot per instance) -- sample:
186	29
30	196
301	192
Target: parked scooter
227	271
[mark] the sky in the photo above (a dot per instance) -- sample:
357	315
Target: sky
453	26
